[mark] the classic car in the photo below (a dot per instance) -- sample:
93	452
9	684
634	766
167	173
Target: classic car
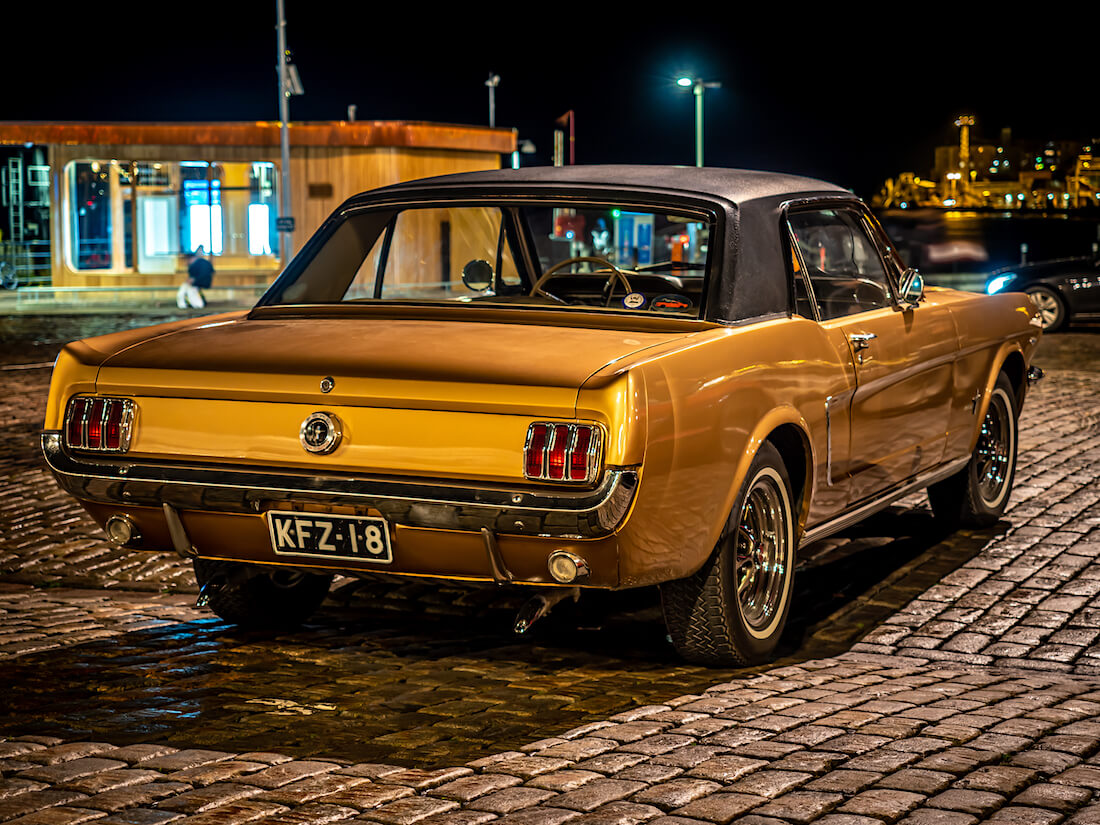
557	378
1063	289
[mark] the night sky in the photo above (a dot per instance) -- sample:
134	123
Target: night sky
810	93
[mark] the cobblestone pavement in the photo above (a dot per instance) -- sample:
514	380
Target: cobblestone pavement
973	694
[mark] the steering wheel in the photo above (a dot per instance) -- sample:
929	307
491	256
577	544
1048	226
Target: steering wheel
552	271
870	294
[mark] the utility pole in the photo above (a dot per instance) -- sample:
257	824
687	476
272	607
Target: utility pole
698	87
559	140
289	84
492	83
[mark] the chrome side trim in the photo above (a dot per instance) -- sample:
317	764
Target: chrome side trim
873	506
562	513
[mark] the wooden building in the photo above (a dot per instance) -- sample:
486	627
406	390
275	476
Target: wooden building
128	202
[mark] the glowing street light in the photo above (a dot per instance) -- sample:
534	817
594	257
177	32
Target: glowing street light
698	86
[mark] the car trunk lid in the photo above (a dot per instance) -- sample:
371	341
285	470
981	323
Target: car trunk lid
416	395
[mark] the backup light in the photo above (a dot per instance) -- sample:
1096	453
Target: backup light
562	452
100	424
121	530
567	567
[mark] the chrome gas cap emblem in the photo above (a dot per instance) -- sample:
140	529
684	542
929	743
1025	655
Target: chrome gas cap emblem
320	433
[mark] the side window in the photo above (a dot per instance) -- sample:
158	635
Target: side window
842	262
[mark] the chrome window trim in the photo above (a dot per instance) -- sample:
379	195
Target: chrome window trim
871	230
706	210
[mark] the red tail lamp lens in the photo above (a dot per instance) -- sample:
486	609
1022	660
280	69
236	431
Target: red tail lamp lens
562	452
99	424
558	449
536	446
113	439
95	425
578	458
74	432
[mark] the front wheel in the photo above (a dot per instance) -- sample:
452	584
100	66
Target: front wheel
732	611
977	495
255	595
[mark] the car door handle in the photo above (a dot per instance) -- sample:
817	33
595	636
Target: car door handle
862	340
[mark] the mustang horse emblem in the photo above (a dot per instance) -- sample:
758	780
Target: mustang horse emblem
320	433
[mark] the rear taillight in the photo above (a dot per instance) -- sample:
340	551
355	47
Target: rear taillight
102	424
562	452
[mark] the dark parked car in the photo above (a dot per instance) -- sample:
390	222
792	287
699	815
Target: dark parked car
1063	290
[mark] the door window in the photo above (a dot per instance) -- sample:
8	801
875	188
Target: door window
842	262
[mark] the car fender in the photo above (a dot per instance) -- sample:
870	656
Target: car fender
1012	359
782	418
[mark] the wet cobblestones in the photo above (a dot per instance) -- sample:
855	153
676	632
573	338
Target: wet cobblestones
951	760
973	694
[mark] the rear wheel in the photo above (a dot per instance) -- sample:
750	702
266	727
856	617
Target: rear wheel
977	495
1052	309
259	595
732	611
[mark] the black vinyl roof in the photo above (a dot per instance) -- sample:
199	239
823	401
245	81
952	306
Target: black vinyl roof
751	278
738	186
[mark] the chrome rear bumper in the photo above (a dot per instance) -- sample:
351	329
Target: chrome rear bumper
592	513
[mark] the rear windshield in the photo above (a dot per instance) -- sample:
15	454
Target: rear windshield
608	257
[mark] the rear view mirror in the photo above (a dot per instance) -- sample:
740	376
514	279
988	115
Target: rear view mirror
912	288
477	275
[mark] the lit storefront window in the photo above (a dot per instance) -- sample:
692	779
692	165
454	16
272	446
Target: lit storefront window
90	195
228	209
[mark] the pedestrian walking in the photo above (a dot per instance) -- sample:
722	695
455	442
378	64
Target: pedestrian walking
200	273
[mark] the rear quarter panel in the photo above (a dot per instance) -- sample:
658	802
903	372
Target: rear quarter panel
708	406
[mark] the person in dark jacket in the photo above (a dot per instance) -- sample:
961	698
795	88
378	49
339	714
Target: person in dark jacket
200	273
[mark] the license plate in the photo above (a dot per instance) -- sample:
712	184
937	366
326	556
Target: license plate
363	538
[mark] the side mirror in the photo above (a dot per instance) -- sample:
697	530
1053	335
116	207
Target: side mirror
477	275
911	288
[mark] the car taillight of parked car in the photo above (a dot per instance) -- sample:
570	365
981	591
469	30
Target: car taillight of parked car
101	424
562	452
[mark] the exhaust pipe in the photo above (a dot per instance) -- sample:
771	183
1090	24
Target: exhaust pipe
539	605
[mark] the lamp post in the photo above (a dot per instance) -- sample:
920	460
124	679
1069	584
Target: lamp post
698	86
492	83
289	84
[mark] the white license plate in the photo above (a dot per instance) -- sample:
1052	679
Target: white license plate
363	538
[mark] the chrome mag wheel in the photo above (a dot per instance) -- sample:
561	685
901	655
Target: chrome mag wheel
977	495
731	612
762	553
994	451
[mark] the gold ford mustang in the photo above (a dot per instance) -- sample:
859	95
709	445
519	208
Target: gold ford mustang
589	377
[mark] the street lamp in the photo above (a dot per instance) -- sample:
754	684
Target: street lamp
698	86
492	83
